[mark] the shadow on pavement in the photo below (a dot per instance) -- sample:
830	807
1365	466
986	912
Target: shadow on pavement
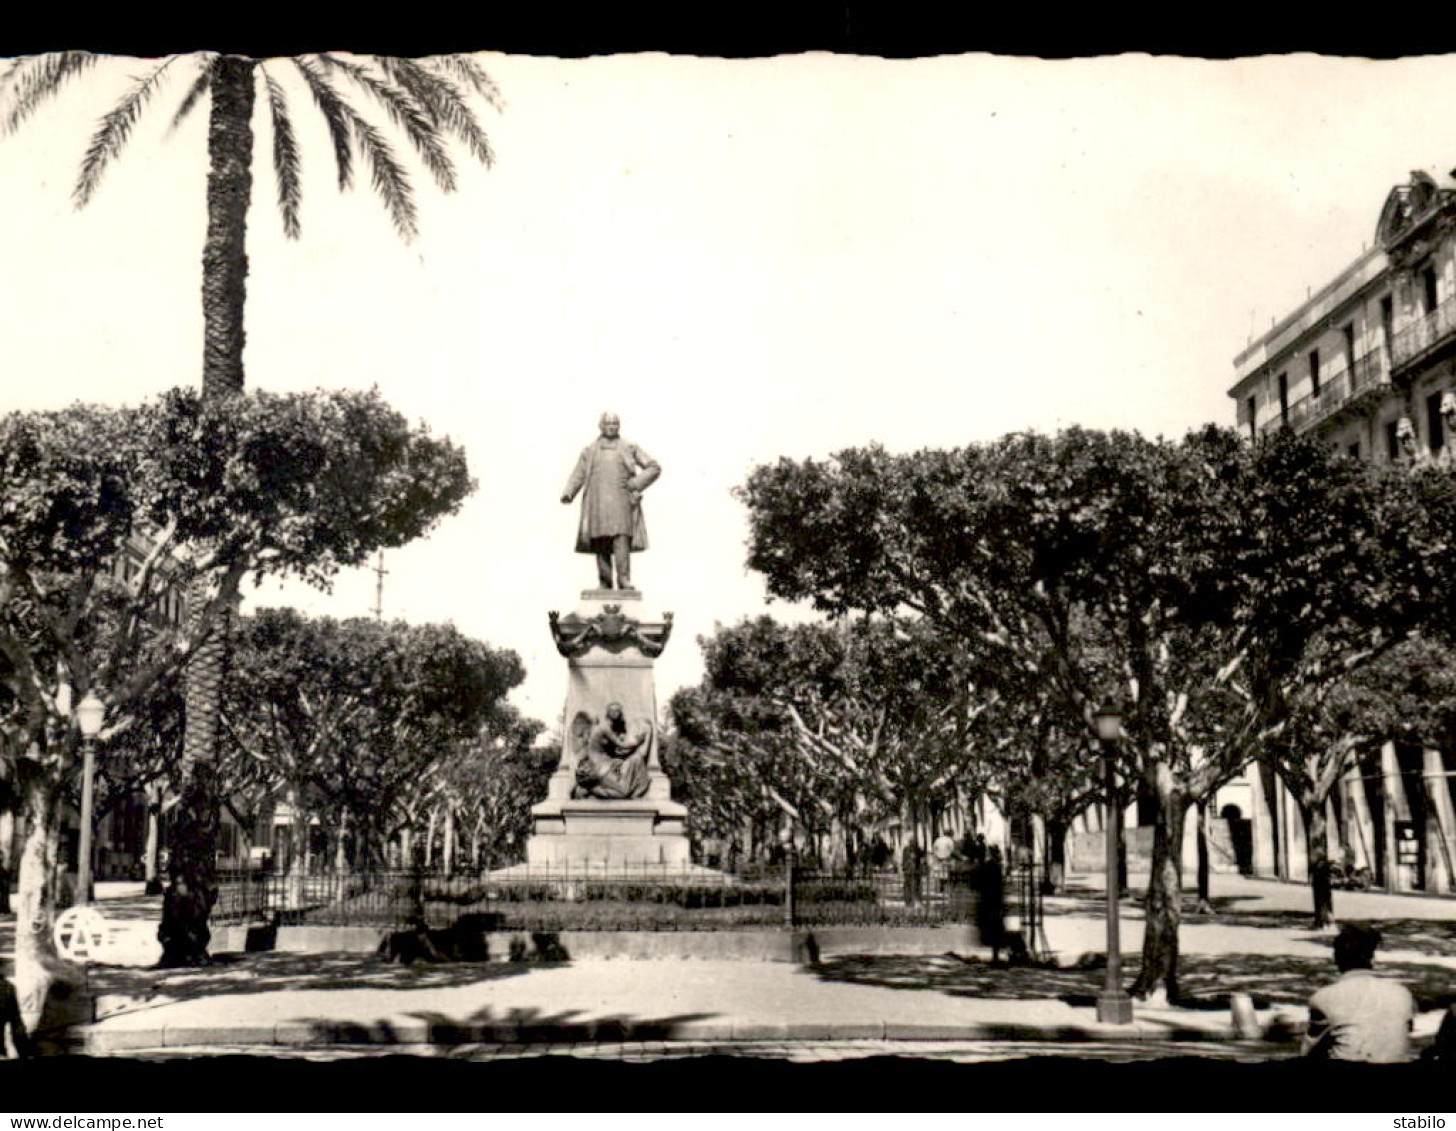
1206	981
273	971
513	1026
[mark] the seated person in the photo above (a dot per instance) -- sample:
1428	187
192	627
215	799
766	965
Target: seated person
1361	1016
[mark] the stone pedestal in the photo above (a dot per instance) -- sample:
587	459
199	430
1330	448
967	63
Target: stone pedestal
610	641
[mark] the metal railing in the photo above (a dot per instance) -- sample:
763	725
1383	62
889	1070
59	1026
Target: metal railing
1425	332
555	899
1341	388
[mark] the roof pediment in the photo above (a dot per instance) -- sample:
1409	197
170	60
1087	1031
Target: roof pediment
1408	205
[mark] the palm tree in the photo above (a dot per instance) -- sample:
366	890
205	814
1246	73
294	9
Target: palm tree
429	102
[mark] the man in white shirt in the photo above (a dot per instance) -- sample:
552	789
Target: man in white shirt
1361	1016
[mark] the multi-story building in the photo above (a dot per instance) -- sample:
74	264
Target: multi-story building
1369	362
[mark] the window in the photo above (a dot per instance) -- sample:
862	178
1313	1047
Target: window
1252	405
1392	441
1284	398
1387	321
1314	376
1435	430
1348	330
1354	450
1428	290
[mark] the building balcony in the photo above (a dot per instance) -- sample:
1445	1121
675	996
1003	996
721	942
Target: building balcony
1424	338
1341	389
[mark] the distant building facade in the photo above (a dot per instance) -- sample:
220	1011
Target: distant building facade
1369	363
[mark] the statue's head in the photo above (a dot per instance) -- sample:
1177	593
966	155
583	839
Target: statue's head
614	711
1448	403
610	424
1405	431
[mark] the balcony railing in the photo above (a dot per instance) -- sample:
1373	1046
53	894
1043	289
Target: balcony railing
1341	388
1423	334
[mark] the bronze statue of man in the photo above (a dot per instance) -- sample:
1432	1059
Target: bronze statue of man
614	472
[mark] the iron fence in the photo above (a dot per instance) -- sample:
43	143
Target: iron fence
554	899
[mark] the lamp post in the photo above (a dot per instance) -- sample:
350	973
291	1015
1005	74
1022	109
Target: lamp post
89	714
1113	1004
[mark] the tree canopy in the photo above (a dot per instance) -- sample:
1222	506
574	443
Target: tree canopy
1199	583
111	515
346	717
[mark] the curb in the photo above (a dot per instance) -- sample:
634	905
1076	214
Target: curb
416	1032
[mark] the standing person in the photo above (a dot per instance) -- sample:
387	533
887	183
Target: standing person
1361	1016
19	1045
614	472
991	910
912	863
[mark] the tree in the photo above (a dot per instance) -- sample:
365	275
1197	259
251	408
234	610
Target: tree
1407	695
349	713
1034	764
488	784
1186	579
428	101
266	485
846	728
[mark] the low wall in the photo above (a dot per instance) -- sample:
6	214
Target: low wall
758	945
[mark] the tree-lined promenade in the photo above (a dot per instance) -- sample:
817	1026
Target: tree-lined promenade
1239	601
1228	597
1235	600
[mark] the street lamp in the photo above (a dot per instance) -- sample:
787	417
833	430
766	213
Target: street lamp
89	715
1113	1004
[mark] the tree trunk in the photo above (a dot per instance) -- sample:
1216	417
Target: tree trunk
37	966
192	870
1056	869
1164	909
7	858
1121	825
1203	864
152	854
448	854
341	850
302	841
1317	845
224	253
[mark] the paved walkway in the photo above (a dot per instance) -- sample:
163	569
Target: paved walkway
1258	942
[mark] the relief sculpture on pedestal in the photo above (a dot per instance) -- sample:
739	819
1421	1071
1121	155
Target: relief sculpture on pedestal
611	755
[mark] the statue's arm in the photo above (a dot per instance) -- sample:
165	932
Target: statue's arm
637	738
648	470
578	478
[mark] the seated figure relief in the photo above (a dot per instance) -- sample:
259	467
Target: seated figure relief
611	755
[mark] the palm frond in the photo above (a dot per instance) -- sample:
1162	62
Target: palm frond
390	180
116	127
462	66
8	73
39	77
405	113
286	159
332	108
194	93
443	102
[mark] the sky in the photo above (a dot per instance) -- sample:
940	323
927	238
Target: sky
744	259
